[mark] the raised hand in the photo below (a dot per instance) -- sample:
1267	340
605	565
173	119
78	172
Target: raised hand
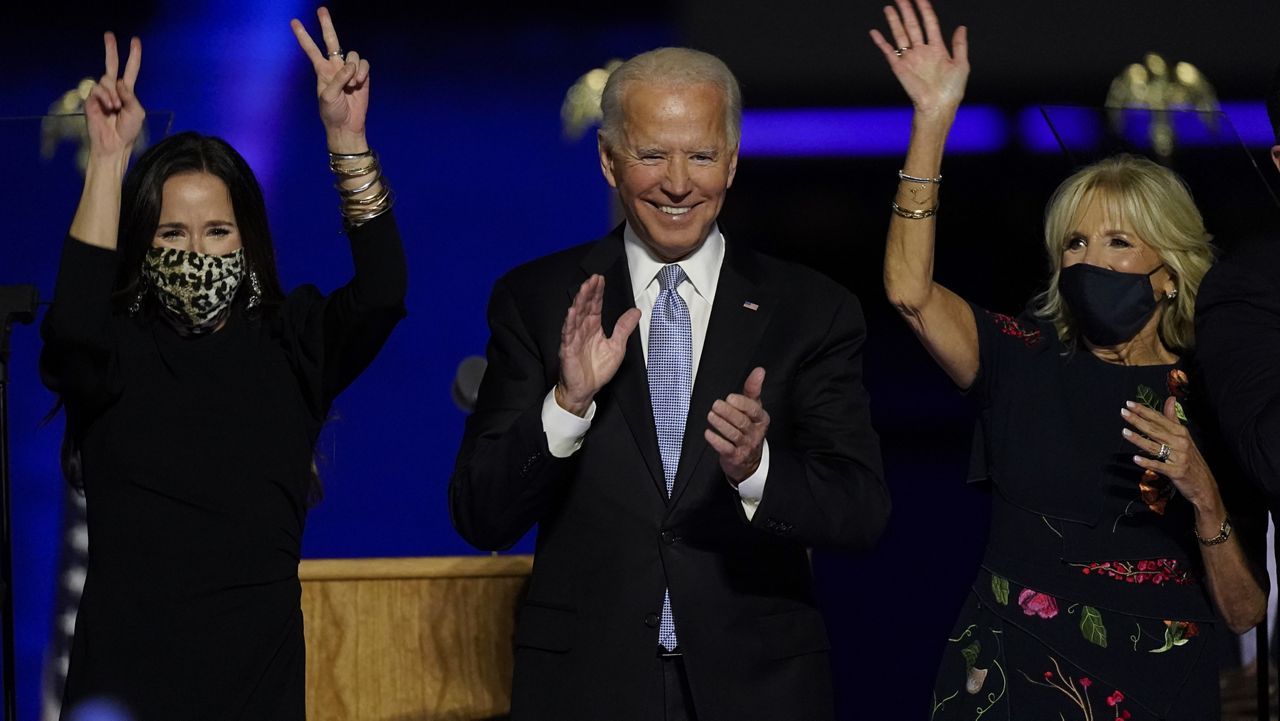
588	359
738	425
933	77
112	110
342	85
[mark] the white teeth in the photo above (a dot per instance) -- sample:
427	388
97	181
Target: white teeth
670	210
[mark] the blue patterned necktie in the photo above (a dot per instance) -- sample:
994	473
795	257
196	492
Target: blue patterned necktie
670	365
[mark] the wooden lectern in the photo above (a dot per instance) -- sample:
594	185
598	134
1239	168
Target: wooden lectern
411	639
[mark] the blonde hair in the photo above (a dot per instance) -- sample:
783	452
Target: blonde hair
670	66
1155	202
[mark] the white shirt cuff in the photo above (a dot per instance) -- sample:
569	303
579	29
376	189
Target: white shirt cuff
751	490
565	430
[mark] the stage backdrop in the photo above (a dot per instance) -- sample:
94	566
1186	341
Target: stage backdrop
465	115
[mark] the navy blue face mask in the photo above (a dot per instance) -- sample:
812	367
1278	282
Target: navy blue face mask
1109	307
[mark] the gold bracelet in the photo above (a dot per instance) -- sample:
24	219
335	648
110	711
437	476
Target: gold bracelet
346	173
913	214
359	205
1224	532
352	192
356	212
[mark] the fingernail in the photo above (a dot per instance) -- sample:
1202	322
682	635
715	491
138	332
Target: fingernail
1131	404
1138	459
1124	413
1126	432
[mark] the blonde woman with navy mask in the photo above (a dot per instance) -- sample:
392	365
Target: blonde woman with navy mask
1111	566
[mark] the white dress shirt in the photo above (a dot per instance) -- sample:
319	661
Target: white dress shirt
565	430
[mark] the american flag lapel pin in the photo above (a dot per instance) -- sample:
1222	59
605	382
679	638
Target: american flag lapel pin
750	306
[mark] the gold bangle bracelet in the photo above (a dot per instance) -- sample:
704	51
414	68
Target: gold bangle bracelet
359	205
913	214
348	173
1224	532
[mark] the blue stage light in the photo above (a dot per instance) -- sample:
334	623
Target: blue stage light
834	132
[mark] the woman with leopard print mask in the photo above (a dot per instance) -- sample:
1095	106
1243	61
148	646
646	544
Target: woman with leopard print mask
195	390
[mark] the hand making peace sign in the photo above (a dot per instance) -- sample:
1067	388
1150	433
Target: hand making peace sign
112	111
342	85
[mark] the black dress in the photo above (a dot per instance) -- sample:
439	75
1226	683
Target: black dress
1089	603
196	459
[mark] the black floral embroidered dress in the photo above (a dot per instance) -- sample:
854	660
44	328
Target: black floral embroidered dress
1090	602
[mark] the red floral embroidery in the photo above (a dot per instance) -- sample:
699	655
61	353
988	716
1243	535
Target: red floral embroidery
1037	604
1063	684
1011	327
1177	383
1157	571
1185	629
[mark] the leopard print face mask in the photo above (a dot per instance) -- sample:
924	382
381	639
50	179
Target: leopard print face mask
195	290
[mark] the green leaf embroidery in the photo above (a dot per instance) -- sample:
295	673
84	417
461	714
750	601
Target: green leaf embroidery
1000	587
1148	397
1091	626
1173	636
1177	408
1170	640
970	654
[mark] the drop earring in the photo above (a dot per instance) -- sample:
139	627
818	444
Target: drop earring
135	305
255	291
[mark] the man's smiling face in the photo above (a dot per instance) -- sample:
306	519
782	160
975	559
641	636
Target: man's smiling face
672	164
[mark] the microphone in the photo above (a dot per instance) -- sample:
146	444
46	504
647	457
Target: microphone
18	303
466	382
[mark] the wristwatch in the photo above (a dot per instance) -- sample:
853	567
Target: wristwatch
1224	532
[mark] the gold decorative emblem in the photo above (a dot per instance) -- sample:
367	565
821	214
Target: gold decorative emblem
65	123
581	107
1152	85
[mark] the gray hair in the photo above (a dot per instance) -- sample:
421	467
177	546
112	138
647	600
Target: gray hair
670	66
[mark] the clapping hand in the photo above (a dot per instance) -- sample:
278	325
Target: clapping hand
112	110
588	359
933	77
342	85
738	425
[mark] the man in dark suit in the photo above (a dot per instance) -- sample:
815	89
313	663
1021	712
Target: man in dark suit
1238	343
675	486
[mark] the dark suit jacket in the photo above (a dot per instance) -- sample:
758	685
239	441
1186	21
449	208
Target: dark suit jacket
609	540
1238	353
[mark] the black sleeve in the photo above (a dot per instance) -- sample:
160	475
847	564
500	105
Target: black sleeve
1003	343
1238	350
505	478
826	480
78	361
333	339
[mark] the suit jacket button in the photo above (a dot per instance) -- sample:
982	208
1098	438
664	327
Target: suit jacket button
651	620
668	537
